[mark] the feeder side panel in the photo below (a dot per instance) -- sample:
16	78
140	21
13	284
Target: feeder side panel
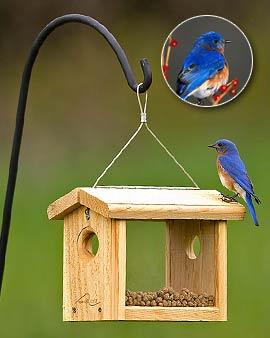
183	269
88	285
208	271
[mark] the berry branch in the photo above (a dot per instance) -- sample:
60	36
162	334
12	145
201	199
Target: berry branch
172	43
229	88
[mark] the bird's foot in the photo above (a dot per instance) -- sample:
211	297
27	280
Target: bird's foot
229	199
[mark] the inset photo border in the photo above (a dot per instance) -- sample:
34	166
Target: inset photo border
207	61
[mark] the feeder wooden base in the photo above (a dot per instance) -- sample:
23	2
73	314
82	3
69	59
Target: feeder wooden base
168	314
174	314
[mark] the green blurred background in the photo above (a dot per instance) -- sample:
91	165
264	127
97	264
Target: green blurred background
80	112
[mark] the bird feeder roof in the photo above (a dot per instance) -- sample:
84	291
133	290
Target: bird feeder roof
148	203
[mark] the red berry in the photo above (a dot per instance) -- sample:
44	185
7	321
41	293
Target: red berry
223	88
165	68
233	91
173	43
235	82
216	97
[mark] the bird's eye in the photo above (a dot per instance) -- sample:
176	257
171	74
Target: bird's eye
216	41
219	144
191	67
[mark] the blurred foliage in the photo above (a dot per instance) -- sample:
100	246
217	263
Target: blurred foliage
80	112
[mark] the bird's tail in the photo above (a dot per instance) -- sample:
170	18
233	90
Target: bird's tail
180	88
251	209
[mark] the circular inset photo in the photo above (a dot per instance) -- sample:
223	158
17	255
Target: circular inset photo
207	61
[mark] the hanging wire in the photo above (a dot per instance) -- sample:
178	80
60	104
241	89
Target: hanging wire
118	155
171	156
144	123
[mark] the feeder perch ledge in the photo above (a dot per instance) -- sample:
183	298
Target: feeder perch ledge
95	284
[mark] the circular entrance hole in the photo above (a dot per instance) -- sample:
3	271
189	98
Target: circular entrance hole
194	248
90	242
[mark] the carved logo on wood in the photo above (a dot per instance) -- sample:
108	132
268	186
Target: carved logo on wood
86	299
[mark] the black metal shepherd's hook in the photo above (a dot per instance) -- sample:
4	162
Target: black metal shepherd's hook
13	167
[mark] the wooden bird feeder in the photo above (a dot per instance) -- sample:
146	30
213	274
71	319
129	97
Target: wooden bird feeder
95	285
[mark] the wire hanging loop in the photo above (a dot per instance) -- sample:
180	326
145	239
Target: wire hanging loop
143	122
142	108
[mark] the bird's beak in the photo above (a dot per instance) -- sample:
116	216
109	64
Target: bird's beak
212	146
227	41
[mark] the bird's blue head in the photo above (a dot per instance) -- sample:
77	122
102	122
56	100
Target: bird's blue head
225	147
211	41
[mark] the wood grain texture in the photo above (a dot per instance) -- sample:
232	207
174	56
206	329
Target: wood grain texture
119	289
221	268
173	314
148	203
206	273
77	197
198	275
93	285
140	212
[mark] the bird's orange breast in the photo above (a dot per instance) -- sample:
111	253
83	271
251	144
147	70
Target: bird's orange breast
220	78
225	178
212	85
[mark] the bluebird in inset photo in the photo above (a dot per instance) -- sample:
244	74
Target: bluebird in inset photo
233	175
205	68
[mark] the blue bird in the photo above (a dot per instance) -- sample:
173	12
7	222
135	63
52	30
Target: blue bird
233	174
205	69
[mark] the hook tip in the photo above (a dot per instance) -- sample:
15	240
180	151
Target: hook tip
146	68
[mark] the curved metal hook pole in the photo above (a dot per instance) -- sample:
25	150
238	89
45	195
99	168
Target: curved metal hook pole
13	167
